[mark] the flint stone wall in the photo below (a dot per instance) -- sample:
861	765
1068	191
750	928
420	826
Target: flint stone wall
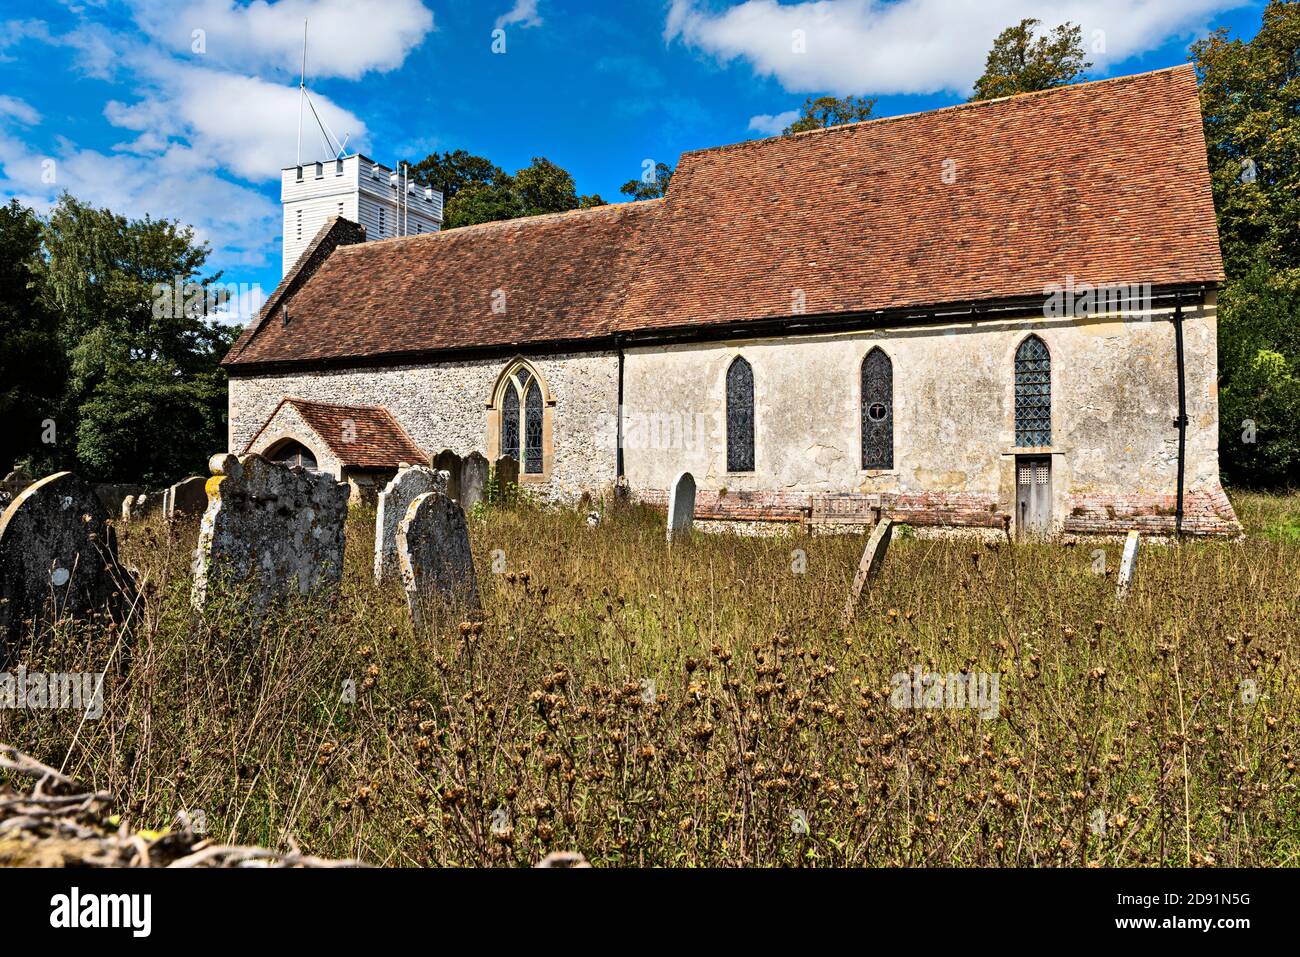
277	530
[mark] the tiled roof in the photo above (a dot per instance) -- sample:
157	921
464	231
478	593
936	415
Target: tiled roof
542	279
359	436
1105	182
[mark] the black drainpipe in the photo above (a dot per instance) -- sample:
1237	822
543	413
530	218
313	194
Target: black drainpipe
618	460
1181	421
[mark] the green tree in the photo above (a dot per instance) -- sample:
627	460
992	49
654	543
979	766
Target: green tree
1021	62
827	111
652	184
1250	99
541	187
32	366
450	172
146	396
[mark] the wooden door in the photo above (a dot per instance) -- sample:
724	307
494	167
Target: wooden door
1033	495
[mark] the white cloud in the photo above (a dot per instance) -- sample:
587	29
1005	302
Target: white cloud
345	38
13	108
770	125
524	13
915	46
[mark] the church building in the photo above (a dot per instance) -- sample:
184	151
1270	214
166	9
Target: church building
997	317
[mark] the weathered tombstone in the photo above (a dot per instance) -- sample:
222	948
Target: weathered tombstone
681	506
1127	565
434	556
873	556
505	475
473	480
58	557
449	462
189	497
276	530
394	500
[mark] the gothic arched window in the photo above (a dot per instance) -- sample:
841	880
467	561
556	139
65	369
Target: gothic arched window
877	410
1033	394
740	417
523	424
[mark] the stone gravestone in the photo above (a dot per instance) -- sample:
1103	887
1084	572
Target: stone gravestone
681	506
1127	565
58	557
189	497
449	462
434	556
473	481
873	556
505	474
394	500
274	530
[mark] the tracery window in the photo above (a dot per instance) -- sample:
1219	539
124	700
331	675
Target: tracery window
740	417
522	406
877	410
1033	394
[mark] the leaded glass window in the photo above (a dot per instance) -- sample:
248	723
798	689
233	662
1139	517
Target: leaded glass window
1033	394
877	411
510	422
740	417
533	429
523	419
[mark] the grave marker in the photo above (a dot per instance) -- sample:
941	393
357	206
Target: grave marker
58	557
275	530
394	500
449	462
1127	565
873	556
434	555
473	480
681	506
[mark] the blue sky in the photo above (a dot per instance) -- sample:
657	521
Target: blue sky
187	109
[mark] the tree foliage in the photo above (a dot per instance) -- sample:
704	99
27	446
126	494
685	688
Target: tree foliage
136	390
1021	62
483	193
1250	98
827	111
32	365
652	184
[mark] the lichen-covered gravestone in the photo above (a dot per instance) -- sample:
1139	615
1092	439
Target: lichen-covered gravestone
681	506
58	558
273	530
473	480
434	555
394	500
449	462
189	497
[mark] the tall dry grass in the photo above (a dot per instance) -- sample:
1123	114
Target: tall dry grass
696	706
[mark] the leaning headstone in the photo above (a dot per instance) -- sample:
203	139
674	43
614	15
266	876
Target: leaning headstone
58	558
394	500
473	480
873	556
681	506
189	497
449	462
434	556
1127	565
505	475
274	530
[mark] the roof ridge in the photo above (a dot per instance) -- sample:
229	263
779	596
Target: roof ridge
518	221
955	107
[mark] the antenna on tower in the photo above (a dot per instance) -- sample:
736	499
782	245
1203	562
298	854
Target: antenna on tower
330	141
